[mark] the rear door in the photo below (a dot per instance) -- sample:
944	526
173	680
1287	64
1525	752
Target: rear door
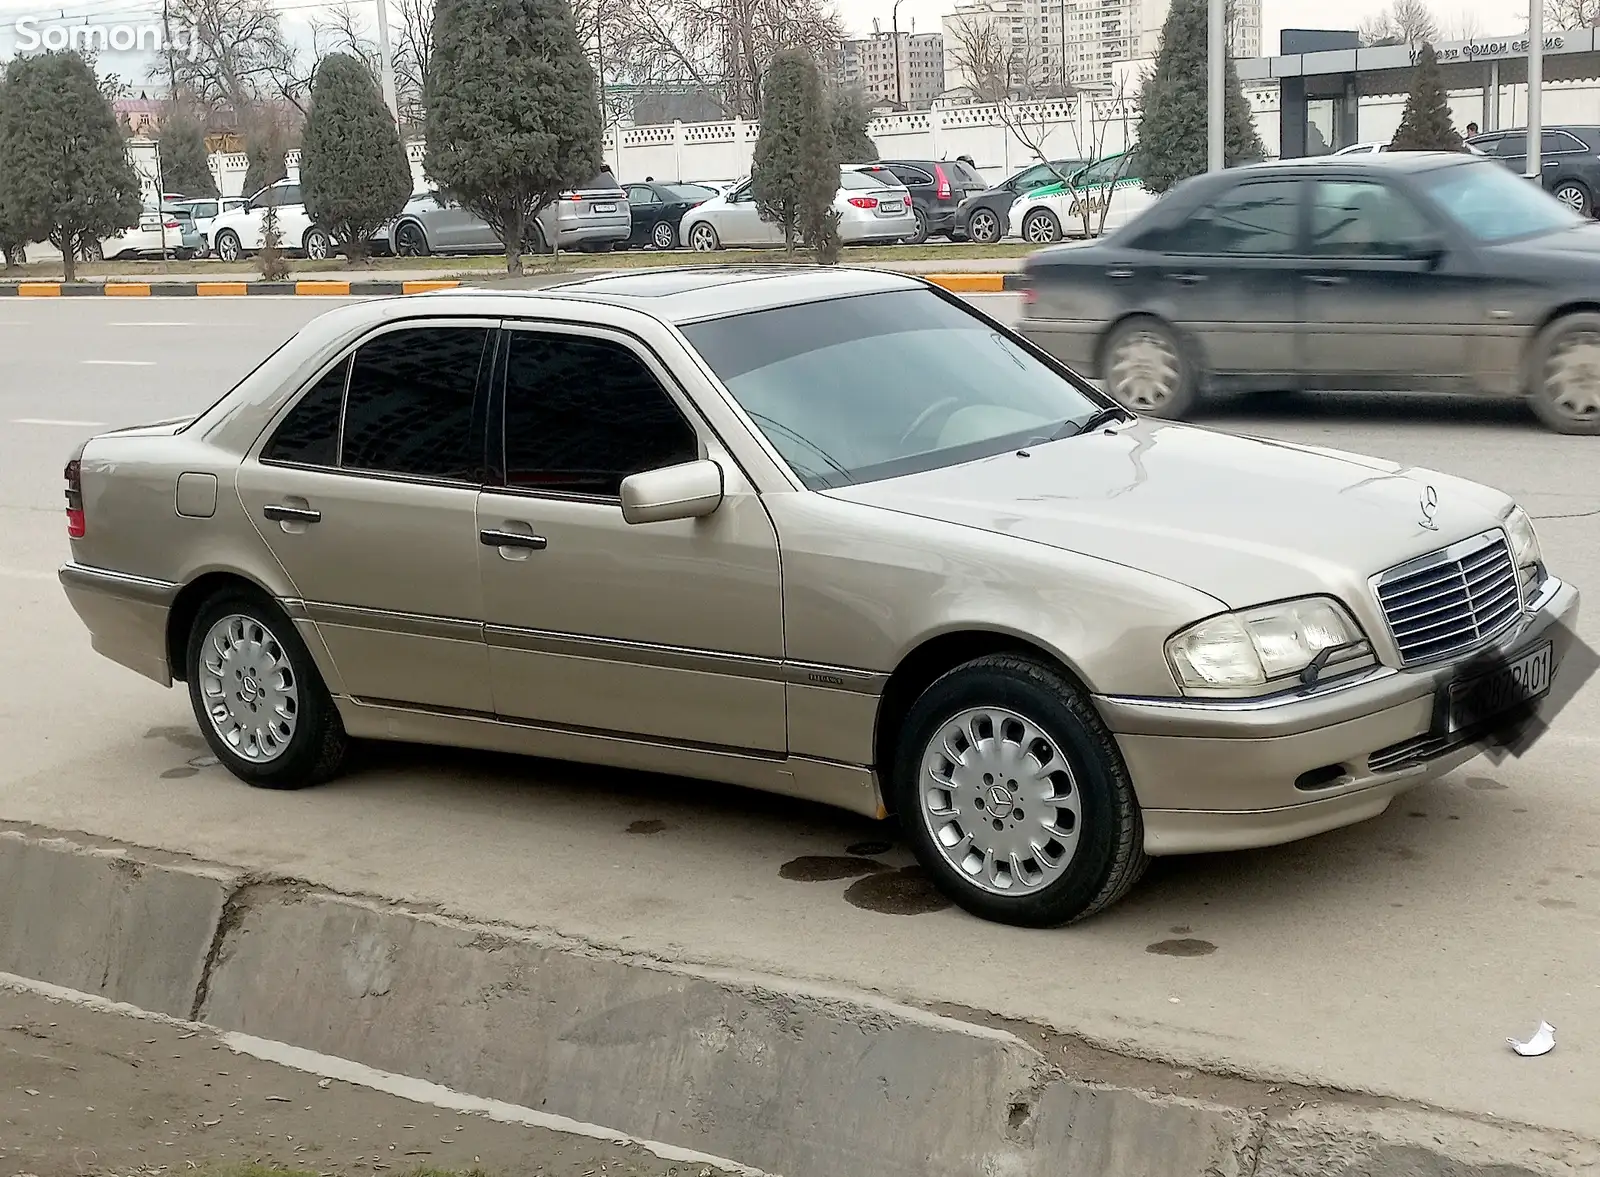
645	208
1228	278
738	223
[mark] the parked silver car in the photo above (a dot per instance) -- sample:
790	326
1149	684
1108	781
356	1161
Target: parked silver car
593	218
870	211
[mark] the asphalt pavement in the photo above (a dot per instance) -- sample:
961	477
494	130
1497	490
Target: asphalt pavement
1393	958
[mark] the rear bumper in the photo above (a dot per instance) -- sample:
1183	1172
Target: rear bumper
869	229
1231	775
570	233
126	616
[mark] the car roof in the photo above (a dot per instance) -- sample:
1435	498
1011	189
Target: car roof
1394	161
685	294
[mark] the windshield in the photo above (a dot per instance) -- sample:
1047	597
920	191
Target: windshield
1492	203
856	389
688	192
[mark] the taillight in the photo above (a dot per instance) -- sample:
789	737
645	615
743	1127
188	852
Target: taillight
76	526
864	201
1030	296
171	225
943	181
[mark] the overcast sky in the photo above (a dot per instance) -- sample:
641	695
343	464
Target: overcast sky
1477	17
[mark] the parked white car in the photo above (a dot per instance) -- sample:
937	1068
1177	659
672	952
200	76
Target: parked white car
205	210
170	229
870	212
1048	214
238	233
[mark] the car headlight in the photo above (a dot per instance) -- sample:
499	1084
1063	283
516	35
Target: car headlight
1524	540
1250	650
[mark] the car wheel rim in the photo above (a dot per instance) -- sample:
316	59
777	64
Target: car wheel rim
228	249
1144	372
1572	198
1000	801
317	247
408	243
703	241
1572	376
663	236
983	228
1040	231
248	684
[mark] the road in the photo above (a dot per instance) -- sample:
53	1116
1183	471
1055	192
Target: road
1394	957
87	1092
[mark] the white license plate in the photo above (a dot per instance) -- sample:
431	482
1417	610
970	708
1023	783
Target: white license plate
893	206
1479	700
605	208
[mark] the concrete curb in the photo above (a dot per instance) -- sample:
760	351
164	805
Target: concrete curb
794	1079
170	289
956	283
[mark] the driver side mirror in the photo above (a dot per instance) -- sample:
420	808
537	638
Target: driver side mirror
1430	249
692	490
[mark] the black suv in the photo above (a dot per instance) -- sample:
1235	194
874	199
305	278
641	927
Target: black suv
937	187
1570	157
984	218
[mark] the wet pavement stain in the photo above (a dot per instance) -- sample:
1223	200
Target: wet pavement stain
1558	904
1180	929
1416	813
1181	948
1403	853
1519	811
184	737
907	891
826	868
178	774
868	849
1484	785
650	825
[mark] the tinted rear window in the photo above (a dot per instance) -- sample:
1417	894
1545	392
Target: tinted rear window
859	180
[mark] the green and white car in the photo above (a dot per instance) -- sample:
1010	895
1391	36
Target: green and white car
1100	199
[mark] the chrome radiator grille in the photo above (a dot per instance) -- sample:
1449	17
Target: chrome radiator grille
1451	600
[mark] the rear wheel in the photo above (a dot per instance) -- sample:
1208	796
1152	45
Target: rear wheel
1565	391
318	245
984	227
1040	227
1145	370
228	246
664	235
1014	796
259	700
1575	196
703	238
410	240
920	235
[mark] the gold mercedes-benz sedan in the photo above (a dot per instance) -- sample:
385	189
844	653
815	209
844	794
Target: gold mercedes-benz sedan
825	532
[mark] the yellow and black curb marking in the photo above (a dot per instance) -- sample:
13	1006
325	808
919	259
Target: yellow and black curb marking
955	283
339	289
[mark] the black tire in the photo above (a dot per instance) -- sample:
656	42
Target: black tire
1543	395
318	245
317	747
703	238
533	239
1109	858
1040	227
921	235
664	235
1576	196
410	240
1179	401
984	227
228	247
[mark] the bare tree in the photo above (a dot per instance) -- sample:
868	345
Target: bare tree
237	56
336	29
721	47
996	68
1091	122
1572	14
411	54
1466	25
1405	22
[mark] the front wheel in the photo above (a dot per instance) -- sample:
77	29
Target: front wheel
984	227
410	240
318	245
1565	392
1040	227
1014	796
703	238
1145	370
259	700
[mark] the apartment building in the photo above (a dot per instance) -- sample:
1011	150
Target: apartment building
913	78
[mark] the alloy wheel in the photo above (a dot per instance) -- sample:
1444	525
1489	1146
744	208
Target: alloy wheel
984	227
1000	801
703	238
1041	229
1572	376
1573	197
663	235
1145	372
249	688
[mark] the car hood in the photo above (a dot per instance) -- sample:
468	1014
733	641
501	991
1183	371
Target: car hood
1243	520
1580	243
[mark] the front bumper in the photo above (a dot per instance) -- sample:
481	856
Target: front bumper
1231	775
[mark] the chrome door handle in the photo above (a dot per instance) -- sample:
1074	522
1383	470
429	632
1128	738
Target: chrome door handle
1119	273
1188	279
282	514
1327	279
512	539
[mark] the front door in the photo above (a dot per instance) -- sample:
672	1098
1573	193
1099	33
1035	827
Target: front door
371	511
1228	277
1377	315
740	223
670	630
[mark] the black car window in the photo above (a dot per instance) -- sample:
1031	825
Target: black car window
639	194
1561	143
1493	204
1253	219
288	194
695	192
1032	178
583	414
1515	143
911	175
410	405
1363	218
309	435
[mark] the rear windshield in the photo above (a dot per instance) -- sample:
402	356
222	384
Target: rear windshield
946	387
858	180
688	192
968	175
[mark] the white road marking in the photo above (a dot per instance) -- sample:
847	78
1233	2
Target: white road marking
152	323
360	1075
55	421
123	363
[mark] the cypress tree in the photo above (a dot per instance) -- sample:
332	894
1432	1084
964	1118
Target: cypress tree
184	160
353	168
1426	124
794	175
849	117
512	111
14	232
1173	139
67	176
265	152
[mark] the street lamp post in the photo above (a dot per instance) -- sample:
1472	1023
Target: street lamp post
1535	88
1216	46
386	61
894	24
